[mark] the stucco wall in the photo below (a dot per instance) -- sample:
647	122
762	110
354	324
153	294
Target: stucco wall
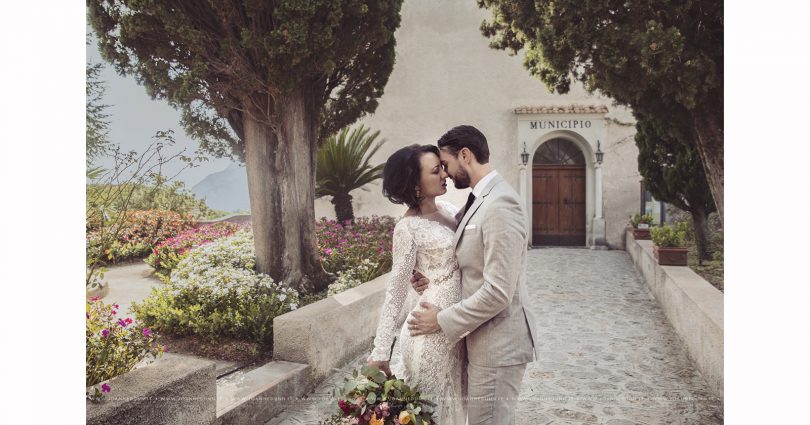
620	178
445	75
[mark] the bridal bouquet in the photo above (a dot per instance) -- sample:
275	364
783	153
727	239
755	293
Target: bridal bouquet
369	397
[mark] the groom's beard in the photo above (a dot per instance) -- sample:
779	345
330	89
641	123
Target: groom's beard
461	180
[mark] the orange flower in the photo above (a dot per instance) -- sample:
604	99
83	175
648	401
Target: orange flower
375	421
404	417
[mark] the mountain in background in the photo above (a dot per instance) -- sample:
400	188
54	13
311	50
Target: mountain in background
225	190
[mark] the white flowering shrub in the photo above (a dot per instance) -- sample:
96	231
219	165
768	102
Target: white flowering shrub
354	276
215	293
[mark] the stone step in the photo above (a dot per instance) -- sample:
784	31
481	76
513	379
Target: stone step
221	367
255	396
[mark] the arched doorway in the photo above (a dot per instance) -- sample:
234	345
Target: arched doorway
558	194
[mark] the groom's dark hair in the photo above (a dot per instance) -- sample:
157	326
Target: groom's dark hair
466	136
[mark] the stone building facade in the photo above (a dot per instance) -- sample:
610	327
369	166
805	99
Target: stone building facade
446	75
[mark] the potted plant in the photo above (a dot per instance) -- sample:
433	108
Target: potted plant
669	244
641	225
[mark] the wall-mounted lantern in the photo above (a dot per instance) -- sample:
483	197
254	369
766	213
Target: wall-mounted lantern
599	154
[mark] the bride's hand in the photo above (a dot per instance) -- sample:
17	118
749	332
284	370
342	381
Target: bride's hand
419	282
382	365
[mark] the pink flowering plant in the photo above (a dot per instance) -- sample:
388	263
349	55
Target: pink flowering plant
370	397
167	254
344	246
114	346
134	234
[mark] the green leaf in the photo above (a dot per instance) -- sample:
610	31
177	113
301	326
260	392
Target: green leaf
369	370
380	377
349	387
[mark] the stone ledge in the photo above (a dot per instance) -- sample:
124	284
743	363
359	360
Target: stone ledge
258	395
692	305
232	218
308	344
169	391
328	333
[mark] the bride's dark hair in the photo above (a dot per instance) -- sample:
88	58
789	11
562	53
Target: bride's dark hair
401	174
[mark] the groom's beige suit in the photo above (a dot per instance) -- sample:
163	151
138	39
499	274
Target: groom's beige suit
491	241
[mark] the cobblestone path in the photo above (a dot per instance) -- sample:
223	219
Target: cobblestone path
607	354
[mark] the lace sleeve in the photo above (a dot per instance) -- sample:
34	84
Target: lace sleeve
452	209
404	260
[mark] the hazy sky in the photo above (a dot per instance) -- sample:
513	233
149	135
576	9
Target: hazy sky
135	118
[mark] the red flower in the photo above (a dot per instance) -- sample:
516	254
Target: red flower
345	406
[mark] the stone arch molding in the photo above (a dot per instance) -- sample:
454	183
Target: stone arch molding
572	136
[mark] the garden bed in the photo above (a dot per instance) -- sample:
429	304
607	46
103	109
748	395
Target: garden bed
214	305
242	352
711	270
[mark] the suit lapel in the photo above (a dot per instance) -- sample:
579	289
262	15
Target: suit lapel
474	207
459	216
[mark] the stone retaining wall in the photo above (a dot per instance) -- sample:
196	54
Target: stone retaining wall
693	306
171	391
328	333
184	390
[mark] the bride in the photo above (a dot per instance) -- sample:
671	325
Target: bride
423	242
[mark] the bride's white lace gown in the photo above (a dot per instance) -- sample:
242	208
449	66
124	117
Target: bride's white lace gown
429	362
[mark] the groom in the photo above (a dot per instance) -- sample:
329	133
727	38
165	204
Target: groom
491	242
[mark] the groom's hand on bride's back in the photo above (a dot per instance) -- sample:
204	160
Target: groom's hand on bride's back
419	282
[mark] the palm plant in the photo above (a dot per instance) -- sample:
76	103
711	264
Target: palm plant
343	166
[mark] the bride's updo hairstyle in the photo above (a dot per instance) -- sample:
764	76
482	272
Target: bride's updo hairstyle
401	174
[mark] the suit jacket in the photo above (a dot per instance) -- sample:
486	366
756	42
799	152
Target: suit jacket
491	242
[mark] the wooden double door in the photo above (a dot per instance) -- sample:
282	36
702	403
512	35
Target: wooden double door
558	205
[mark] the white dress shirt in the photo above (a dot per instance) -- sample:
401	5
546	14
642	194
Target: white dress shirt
479	187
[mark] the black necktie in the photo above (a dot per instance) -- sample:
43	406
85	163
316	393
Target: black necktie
470	200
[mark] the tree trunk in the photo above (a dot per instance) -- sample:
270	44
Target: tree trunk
281	183
709	130
343	207
700	223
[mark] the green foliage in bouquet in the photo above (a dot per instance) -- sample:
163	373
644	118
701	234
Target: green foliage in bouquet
114	346
669	237
216	293
369	397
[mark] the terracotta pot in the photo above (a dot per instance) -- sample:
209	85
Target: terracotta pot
670	256
641	234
